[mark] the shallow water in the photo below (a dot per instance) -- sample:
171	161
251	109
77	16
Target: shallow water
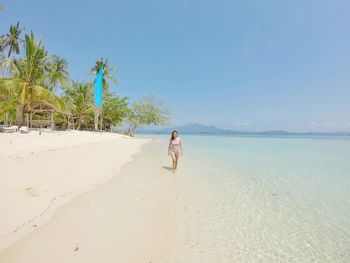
263	199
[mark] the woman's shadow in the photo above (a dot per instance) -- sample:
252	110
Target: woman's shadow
168	168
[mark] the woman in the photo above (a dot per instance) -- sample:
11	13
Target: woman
175	148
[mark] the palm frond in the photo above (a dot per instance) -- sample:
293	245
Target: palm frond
8	66
41	94
9	86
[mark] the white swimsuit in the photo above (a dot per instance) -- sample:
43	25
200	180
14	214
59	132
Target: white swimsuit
175	146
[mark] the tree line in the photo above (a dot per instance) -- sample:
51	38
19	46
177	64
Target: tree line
30	76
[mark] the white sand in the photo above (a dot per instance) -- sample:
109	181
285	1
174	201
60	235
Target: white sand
40	173
129	219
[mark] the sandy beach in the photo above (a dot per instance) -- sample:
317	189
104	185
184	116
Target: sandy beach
128	219
41	173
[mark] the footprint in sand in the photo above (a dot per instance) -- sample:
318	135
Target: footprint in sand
32	192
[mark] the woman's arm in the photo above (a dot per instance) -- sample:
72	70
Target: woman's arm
169	147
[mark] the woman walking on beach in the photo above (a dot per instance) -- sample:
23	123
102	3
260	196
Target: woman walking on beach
175	148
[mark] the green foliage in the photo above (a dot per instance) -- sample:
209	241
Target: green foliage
79	101
57	73
29	75
114	110
11	41
33	66
149	111
8	108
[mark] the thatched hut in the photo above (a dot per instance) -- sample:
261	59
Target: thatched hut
45	116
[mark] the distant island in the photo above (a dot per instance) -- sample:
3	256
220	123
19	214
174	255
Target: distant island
196	128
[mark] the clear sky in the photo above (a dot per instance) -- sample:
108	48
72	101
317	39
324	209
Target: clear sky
243	65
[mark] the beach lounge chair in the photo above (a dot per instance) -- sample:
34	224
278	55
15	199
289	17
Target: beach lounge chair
13	128
24	129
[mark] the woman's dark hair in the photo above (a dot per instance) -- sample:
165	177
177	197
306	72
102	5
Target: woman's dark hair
172	135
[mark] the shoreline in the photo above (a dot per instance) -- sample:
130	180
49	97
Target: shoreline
40	180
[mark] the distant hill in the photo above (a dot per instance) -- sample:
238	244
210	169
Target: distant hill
196	128
193	128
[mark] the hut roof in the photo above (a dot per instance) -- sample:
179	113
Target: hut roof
44	108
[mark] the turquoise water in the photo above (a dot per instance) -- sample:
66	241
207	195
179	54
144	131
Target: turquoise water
266	199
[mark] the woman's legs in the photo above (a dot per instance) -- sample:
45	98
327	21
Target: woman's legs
177	155
173	157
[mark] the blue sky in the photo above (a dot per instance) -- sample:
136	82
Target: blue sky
243	65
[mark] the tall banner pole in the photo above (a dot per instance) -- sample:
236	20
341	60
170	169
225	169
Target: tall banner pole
98	91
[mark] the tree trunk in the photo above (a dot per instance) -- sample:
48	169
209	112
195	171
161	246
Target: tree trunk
79	123
6	120
20	115
131	130
10	51
52	123
96	118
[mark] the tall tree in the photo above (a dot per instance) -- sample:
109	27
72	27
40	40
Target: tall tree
11	41
57	73
27	84
149	111
79	102
107	70
115	109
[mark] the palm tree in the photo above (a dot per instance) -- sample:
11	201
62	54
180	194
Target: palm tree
79	101
8	107
11	40
57	73
106	72
27	83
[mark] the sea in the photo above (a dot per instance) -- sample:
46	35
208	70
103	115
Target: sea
263	198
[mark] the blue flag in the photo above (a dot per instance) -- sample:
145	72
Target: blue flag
98	88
